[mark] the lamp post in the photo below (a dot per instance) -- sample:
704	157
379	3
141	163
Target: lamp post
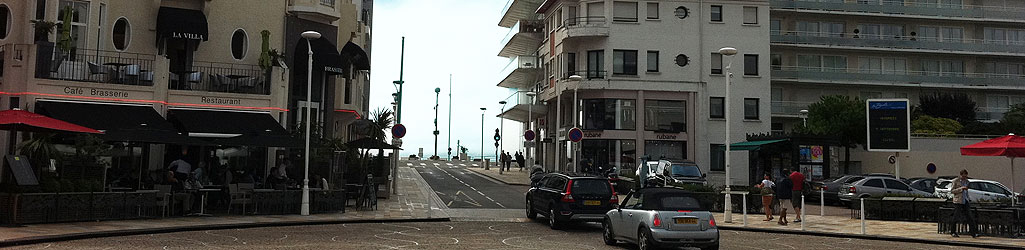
305	206
392	177
804	117
449	144
501	128
482	111
728	52
437	96
530	126
573	146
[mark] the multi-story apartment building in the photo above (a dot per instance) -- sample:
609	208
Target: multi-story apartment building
651	79
223	79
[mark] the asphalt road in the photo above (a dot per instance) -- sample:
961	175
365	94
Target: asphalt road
444	235
460	188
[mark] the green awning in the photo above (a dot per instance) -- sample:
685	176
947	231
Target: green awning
752	145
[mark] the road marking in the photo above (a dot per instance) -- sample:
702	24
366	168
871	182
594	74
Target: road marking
475	165
409	164
423	164
471	187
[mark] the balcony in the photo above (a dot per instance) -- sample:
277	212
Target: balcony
222	77
990	114
318	10
898	78
516	10
906	8
587	74
592	26
523	39
889	43
521	72
788	108
518	107
86	65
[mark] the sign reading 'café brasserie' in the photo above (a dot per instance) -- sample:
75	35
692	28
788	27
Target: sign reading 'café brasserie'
95	92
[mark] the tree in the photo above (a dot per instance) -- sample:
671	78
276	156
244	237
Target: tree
932	125
1014	119
840	116
959	107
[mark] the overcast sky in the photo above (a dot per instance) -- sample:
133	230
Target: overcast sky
443	37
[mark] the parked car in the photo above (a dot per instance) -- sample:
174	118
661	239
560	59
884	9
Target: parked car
942	189
927	185
876	186
661	217
831	187
979	191
565	197
665	172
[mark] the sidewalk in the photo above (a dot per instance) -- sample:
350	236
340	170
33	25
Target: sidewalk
412	203
512	177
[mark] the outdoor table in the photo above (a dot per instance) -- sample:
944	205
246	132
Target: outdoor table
202	200
117	68
234	80
183	83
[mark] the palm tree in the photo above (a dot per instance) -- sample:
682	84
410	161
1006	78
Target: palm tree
380	121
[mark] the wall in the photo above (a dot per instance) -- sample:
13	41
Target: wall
945	154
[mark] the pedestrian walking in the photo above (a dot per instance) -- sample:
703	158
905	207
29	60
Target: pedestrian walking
962	209
767	192
506	160
520	160
797	178
784	193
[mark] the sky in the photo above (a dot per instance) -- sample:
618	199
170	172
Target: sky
443	37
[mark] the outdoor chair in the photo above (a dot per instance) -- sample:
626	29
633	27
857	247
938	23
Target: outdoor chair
164	198
130	74
146	76
96	69
238	197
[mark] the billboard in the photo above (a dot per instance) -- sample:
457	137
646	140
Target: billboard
889	125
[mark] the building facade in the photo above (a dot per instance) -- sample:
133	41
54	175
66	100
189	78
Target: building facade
651	80
218	77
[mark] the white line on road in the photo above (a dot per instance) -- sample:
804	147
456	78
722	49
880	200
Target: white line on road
471	187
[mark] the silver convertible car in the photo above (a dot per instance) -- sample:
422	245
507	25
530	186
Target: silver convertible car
661	217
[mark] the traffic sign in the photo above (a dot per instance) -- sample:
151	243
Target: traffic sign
575	134
529	135
398	131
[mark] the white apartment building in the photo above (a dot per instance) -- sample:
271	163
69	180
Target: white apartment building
652	80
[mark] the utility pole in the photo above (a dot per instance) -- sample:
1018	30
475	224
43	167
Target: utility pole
449	143
437	96
398	119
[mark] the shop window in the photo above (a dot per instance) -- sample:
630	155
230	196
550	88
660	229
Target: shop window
665	116
239	44
122	34
670	150
620	154
611	114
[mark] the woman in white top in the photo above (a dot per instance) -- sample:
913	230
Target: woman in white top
767	190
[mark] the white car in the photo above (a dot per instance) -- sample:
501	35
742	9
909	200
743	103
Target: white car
656	218
978	190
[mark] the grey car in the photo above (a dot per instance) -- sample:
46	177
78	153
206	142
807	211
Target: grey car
661	217
877	186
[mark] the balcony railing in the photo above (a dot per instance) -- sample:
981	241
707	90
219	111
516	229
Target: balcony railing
898	42
517	98
987	113
587	74
100	66
523	26
906	8
222	77
513	75
586	26
897	76
788	107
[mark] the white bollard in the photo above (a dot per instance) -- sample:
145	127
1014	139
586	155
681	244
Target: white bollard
822	202
804	220
862	215
745	209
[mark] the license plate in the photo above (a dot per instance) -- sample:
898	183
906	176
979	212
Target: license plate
686	220
592	203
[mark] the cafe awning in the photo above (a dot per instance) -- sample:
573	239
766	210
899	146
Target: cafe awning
236	128
752	145
325	56
356	56
119	122
181	23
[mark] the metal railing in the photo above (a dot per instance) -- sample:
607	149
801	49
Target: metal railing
906	8
328	3
523	26
89	65
898	42
896	76
587	21
788	107
587	74
222	77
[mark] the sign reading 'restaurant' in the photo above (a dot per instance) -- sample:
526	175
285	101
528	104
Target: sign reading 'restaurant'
889	125
221	101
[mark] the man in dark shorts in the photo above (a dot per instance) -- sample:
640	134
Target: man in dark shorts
798	192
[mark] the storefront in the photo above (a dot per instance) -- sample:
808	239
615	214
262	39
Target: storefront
813	156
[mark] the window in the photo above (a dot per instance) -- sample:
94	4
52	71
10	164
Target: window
716	13
665	149
716	107
652	11
880	31
624	11
894	184
596	9
716	63
1004	36
821	29
827	63
750	15
620	154
775	25
943	67
750	65
940	34
609	114
776	61
5	20
665	116
595	64
624	62
571	63
717	157
122	34
751	108
239	44
328	3
79	21
652	61
1004	69
633	202
878	183
882	65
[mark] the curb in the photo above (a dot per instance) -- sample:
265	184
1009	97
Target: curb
498	180
103	234
872	237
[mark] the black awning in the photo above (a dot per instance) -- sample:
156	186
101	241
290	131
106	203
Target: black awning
181	23
231	127
356	56
325	57
128	123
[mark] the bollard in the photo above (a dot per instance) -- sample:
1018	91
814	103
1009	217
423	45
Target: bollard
803	218
745	209
487	164
862	215
822	202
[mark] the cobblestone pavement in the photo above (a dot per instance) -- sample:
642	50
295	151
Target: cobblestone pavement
442	235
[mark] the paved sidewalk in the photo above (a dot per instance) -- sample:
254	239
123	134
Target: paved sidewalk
512	177
413	202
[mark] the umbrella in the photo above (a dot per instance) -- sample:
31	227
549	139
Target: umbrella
1011	146
27	121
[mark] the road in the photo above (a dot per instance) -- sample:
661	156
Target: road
460	188
444	235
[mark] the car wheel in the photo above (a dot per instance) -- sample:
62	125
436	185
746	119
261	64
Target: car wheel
644	240
531	214
552	222
607	235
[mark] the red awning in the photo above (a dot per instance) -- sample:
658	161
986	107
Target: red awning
1009	145
27	121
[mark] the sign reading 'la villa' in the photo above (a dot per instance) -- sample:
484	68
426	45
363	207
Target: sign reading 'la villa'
186	35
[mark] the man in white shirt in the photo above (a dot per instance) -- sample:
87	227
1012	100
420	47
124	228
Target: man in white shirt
180	167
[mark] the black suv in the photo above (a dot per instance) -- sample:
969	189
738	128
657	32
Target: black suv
564	197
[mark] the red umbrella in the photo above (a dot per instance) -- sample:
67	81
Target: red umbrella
1011	146
27	121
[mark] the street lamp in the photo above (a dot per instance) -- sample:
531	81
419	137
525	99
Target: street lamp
573	146
305	207
437	95
482	111
728	52
530	125
501	129
804	117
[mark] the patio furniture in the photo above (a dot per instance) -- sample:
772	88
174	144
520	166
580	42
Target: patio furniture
146	76
96	69
163	198
239	197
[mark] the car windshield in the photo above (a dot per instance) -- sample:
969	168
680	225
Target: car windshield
591	186
672	201
686	171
